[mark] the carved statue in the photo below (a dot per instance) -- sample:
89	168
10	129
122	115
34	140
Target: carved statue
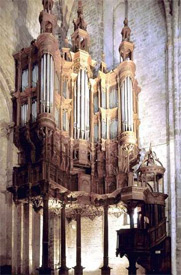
126	31
48	27
47	5
79	23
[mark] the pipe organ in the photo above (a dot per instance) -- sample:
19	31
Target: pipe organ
78	132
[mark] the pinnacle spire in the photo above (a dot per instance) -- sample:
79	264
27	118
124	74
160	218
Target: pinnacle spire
47	19
126	47
47	5
80	23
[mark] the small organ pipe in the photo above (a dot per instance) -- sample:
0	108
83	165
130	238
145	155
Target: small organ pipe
52	84
78	106
82	103
123	105
75	109
127	105
81	106
85	87
44	90
48	83
131	104
128	109
42	82
87	123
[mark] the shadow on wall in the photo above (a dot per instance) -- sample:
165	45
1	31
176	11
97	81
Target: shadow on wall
62	10
22	30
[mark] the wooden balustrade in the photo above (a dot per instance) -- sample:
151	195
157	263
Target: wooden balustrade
140	240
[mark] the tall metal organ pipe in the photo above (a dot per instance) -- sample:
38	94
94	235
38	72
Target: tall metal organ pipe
127	105
81	106
47	83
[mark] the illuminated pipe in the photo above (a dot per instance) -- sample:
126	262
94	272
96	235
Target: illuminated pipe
78	107
52	84
75	108
82	104
128	92
126	108
85	88
87	123
122	106
44	86
131	104
42	83
48	83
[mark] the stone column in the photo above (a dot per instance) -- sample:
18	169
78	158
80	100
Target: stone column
36	240
63	269
27	249
131	216
105	270
19	239
78	268
45	269
51	240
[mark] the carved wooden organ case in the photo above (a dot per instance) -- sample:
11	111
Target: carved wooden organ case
72	127
76	129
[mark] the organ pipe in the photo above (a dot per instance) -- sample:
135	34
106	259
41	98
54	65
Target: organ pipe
47	83
127	105
82	103
87	100
81	106
34	111
52	84
78	107
24	114
75	109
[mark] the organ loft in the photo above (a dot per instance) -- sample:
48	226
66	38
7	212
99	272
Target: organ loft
77	132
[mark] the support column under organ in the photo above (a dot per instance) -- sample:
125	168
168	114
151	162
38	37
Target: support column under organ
105	270
78	268
63	269
45	253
